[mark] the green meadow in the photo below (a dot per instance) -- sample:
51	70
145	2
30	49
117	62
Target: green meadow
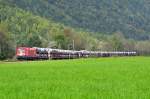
100	78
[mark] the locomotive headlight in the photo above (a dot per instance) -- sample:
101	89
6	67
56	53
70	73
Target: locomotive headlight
21	52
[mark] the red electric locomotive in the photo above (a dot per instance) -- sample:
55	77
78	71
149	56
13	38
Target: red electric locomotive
26	53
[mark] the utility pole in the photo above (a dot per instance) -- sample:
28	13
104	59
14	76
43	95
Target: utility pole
73	44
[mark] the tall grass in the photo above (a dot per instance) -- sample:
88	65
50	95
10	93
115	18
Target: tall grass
103	78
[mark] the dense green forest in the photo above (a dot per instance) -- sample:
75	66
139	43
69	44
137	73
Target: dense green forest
131	17
93	25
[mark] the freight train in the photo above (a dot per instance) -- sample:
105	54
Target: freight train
35	53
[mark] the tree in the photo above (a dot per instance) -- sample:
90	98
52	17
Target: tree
129	45
143	47
116	41
6	48
34	41
61	42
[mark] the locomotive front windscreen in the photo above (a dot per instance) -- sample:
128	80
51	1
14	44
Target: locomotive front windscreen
20	52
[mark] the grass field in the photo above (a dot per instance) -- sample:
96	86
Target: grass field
104	78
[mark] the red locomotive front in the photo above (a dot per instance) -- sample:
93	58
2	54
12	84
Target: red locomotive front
26	53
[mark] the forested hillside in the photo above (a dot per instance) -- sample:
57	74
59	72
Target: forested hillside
131	17
22	28
91	25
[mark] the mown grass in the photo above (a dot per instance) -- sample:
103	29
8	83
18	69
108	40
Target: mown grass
103	78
